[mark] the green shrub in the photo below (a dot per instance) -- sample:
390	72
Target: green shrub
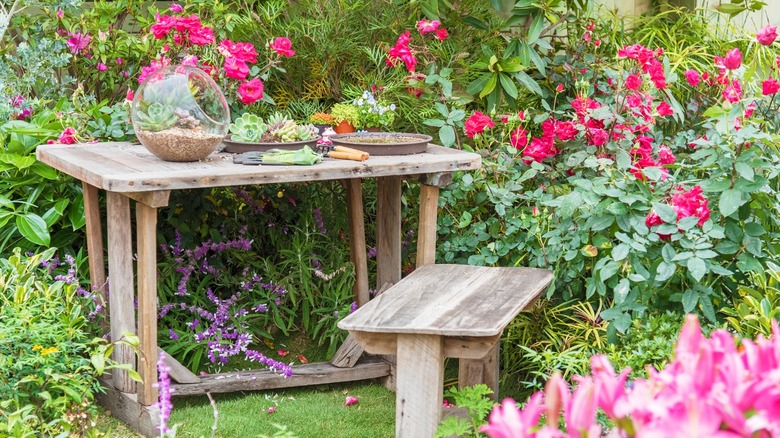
49	363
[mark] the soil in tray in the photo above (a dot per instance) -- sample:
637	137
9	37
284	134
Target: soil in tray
374	139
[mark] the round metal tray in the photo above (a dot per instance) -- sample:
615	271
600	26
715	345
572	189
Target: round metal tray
239	147
397	143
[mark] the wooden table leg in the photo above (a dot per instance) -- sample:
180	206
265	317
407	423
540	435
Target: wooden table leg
420	381
120	268
97	266
426	234
146	218
475	371
357	240
388	230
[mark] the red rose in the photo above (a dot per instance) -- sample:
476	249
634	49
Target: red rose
236	68
477	124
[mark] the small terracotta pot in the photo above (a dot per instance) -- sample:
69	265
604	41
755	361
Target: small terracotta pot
344	128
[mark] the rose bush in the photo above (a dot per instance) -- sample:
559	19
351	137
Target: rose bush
185	39
605	189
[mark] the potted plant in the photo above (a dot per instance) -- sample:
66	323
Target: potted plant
375	115
321	121
251	133
345	117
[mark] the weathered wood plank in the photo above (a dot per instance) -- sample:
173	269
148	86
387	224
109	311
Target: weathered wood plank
303	375
178	372
97	262
146	218
426	234
454	346
348	353
151	199
388	230
120	268
357	240
451	300
485	370
126	408
419	385
122	167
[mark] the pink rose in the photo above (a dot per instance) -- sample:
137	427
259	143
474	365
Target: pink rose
202	36
68	136
130	95
767	35
236	68
60	14
175	7
428	26
633	82
402	52
441	34
733	59
664	109
477	124
733	92
693	77
770	87
101	67
190	60
162	26
250	92
282	46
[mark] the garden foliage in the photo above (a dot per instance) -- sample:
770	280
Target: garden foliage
49	362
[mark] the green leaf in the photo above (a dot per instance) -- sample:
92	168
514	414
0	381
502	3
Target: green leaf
508	85
697	268
447	135
475	23
489	86
665	271
33	228
465	219
665	212
730	8
478	84
730	200
744	171
529	83
537	26
438	123
689	300
754	229
688	223
620	252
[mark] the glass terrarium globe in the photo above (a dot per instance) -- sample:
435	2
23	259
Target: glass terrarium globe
180	114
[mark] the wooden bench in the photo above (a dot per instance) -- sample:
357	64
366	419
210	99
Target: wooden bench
442	311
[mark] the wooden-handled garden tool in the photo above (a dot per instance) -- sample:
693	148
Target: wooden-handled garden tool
342	152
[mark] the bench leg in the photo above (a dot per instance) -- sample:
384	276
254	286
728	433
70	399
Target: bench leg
419	380
475	371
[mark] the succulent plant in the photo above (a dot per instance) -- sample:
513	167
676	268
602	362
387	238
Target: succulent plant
306	132
276	118
157	117
286	132
248	128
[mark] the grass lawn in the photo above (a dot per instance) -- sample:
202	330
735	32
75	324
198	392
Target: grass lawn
313	412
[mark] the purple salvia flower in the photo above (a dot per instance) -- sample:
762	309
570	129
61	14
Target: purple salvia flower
164	404
318	220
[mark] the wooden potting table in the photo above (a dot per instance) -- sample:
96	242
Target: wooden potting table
129	172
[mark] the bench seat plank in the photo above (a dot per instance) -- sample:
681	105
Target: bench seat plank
451	300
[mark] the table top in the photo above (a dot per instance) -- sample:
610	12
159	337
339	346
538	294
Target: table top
451	300
126	167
